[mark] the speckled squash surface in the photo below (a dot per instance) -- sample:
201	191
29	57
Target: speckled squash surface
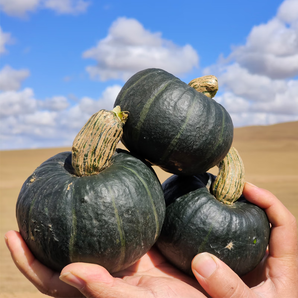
111	217
172	125
196	221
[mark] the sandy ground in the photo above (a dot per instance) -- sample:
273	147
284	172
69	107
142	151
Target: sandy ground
270	155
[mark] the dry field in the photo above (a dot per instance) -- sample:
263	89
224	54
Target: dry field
270	155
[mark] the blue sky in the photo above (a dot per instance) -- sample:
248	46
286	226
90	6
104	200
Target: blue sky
62	60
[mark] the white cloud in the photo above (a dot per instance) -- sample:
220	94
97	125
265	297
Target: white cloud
271	49
56	103
5	38
282	103
260	118
251	86
67	6
129	47
14	103
11	79
258	80
288	11
27	122
20	8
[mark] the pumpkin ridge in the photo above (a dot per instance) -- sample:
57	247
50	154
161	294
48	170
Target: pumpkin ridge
146	108
219	137
34	200
50	223
135	83
174	141
205	240
151	199
120	230
73	229
35	225
185	209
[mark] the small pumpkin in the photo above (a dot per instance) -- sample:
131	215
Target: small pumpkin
213	219
172	125
91	204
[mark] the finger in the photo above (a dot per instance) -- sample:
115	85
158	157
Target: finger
283	238
217	279
95	281
43	278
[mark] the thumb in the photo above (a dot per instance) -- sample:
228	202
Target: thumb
94	281
217	279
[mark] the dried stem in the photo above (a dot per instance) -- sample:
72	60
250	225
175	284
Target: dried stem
96	142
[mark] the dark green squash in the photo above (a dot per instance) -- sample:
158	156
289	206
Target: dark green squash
80	207
172	125
201	220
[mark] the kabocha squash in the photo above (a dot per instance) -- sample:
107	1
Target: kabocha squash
213	219
172	125
91	204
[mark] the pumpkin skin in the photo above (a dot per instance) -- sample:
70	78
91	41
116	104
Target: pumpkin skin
196	222
172	125
111	219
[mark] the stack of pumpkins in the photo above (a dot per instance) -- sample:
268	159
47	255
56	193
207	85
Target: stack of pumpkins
102	206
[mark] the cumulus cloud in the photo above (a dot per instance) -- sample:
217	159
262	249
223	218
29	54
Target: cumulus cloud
67	6
257	80
20	8
288	12
56	103
252	86
5	38
26	121
11	79
14	103
129	47
271	49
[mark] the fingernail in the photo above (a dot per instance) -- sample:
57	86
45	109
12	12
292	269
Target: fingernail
250	184
6	241
72	280
204	265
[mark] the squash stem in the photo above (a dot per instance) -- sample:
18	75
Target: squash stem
96	142
207	85
229	183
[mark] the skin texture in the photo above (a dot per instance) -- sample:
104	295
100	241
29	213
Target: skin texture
276	276
112	218
172	125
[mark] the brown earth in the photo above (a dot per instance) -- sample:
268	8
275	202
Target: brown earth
270	155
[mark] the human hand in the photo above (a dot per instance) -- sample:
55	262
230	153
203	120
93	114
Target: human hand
276	276
153	276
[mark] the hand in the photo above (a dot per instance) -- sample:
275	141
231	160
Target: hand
276	276
152	276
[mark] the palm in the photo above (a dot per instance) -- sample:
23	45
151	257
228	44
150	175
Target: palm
150	272
153	269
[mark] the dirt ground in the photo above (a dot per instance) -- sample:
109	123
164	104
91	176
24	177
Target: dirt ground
270	156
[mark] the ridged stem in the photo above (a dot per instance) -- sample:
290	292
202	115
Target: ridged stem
96	142
207	85
229	183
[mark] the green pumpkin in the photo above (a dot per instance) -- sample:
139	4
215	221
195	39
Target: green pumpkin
196	221
111	217
172	125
